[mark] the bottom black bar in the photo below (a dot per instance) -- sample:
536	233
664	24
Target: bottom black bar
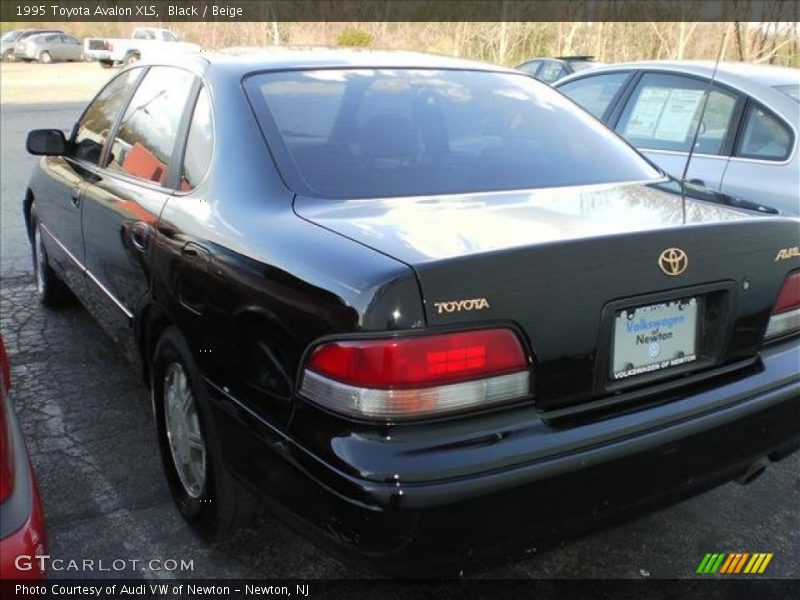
709	588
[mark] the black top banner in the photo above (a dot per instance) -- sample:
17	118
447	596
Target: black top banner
399	10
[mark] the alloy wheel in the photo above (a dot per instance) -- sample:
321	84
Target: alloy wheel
186	442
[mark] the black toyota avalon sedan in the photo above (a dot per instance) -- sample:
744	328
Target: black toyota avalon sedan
427	310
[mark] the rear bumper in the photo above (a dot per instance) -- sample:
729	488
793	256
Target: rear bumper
97	54
371	495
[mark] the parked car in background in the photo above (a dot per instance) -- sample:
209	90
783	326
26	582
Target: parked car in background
747	143
49	47
550	70
144	42
350	279
22	530
10	38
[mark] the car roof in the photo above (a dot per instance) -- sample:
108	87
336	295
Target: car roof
42	34
247	59
738	74
41	31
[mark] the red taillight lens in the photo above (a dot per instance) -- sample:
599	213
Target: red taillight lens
402	363
785	319
789	298
405	377
6	447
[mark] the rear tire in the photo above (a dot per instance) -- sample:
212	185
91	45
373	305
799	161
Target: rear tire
207	496
51	291
45	58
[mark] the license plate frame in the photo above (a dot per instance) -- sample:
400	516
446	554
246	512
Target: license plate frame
655	339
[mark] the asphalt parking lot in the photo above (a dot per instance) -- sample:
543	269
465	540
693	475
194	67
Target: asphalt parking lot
90	433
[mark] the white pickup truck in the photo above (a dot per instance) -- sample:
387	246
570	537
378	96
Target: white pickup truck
143	42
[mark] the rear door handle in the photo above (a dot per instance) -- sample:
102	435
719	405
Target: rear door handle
140	235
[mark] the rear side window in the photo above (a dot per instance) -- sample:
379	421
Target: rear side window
552	71
96	123
148	130
595	93
764	136
361	133
664	110
530	67
199	144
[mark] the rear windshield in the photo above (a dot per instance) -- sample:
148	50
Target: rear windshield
10	36
362	133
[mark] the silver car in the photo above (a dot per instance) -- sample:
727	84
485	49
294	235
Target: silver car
747	143
49	47
10	38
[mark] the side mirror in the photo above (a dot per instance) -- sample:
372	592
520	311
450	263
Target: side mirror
46	142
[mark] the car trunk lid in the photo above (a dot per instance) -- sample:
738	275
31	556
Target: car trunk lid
563	264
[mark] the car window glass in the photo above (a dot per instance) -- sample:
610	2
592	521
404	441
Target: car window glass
530	67
168	36
595	93
764	136
551	71
199	144
95	124
364	133
664	110
148	130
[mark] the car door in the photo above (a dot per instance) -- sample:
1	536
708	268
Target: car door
59	193
59	48
660	118
764	167
71	48
123	203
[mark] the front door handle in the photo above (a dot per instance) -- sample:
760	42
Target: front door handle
699	182
140	235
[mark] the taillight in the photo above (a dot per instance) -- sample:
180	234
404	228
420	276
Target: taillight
6	446
416	376
785	317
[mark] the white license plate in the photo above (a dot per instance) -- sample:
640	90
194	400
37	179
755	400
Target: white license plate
655	337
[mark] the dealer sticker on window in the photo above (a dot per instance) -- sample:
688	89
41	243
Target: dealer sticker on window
655	337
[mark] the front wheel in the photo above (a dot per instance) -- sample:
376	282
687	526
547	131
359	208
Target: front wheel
51	291
45	58
206	495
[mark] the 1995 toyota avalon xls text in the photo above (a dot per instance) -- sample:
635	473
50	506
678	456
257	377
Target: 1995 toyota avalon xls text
427	310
